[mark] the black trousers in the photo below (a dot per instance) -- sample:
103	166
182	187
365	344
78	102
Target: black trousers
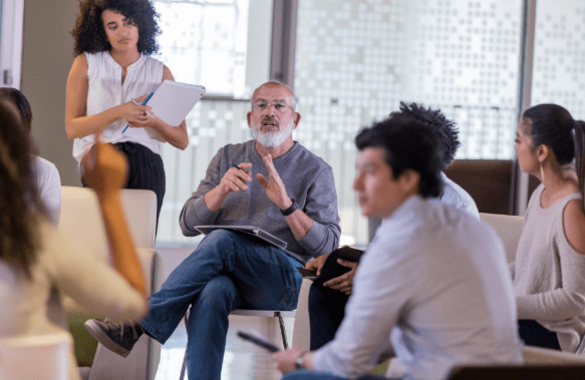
534	334
145	171
326	311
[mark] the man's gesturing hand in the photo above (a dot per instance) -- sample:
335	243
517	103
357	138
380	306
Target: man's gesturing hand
235	179
274	186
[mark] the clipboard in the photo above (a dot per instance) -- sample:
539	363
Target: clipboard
249	230
172	101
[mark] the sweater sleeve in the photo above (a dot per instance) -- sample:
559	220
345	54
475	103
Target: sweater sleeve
321	207
195	211
565	302
90	282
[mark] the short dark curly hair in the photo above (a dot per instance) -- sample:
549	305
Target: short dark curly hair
408	144
445	128
89	33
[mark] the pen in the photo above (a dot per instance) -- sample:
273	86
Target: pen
148	113
143	103
236	166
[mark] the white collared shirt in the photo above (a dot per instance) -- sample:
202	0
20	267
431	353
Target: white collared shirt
434	282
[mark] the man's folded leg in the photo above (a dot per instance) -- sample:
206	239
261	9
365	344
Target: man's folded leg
264	276
214	255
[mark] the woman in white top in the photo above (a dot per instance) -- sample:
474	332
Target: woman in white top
550	260
35	259
112	70
47	176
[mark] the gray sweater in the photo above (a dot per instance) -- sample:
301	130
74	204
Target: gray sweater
307	178
548	273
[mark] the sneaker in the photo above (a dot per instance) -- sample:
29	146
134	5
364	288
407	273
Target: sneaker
116	338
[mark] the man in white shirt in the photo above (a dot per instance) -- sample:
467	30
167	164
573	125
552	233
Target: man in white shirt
433	284
327	300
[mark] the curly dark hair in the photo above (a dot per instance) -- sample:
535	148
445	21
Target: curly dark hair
19	199
445	128
408	144
89	33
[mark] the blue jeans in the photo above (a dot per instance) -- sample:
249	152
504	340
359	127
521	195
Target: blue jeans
228	270
321	375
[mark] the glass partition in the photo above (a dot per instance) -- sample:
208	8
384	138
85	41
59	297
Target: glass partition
225	46
357	60
559	55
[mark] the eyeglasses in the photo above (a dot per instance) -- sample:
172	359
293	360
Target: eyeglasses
279	107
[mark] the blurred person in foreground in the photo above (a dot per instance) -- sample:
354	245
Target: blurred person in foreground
35	259
327	300
433	284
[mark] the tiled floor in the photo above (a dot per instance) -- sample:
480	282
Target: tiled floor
242	361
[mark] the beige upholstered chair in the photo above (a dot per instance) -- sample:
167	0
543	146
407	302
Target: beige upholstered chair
36	357
508	228
82	222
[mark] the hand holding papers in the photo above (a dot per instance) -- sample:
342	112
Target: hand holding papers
172	102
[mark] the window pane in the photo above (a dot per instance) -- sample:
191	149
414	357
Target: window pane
225	46
559	55
356	60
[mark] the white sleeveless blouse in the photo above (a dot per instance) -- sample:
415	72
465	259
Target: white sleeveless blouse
105	90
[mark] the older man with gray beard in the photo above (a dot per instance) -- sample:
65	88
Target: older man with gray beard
292	197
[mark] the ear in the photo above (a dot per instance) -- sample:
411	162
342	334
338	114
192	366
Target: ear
542	152
409	182
249	117
297	119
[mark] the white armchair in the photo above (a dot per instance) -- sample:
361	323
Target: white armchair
82	222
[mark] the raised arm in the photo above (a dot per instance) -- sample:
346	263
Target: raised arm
316	226
77	123
203	206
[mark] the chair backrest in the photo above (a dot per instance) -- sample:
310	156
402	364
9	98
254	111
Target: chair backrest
489	182
81	219
508	228
35	357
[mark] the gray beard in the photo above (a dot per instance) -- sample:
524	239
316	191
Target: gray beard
272	139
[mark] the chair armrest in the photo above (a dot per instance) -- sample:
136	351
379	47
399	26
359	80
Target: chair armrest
544	356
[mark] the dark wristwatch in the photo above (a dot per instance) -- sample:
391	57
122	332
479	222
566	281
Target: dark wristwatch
300	362
291	209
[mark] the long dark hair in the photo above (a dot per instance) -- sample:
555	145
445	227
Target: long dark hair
553	126
89	33
19	200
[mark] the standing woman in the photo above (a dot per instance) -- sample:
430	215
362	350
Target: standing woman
113	41
550	260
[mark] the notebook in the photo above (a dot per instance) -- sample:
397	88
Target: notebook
249	230
172	102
